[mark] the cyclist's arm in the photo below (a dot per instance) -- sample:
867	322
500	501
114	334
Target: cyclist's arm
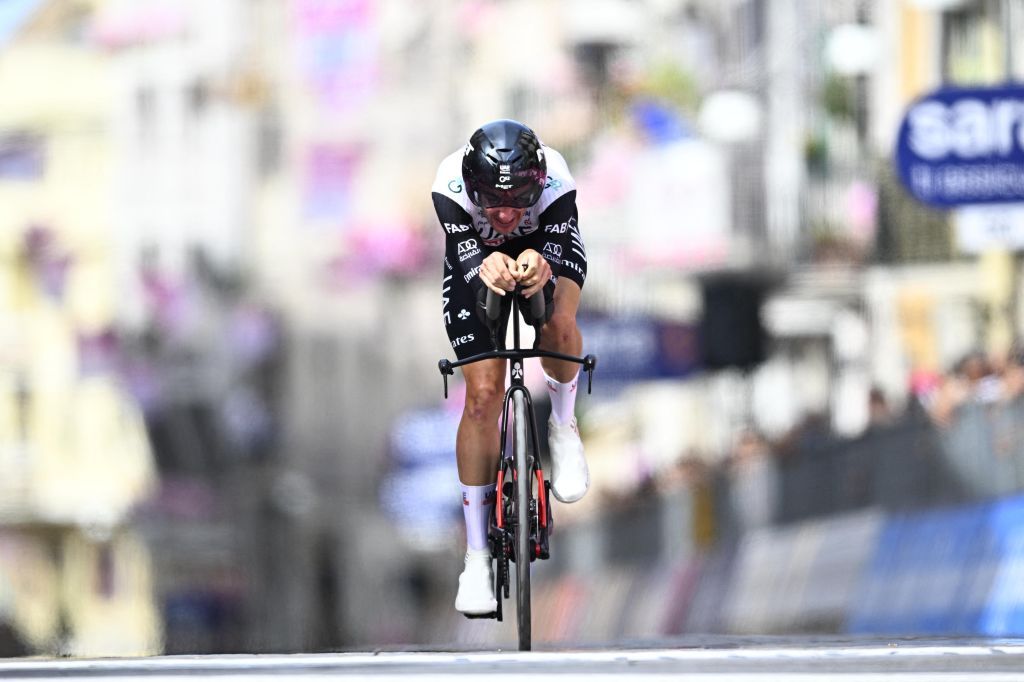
563	245
464	250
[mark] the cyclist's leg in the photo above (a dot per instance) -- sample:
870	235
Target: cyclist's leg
477	445
476	449
560	334
476	442
570	476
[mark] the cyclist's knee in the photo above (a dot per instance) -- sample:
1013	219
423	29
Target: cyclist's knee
483	401
560	330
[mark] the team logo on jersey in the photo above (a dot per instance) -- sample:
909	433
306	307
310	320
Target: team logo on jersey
452	228
463	314
552	183
468	249
554	250
455	186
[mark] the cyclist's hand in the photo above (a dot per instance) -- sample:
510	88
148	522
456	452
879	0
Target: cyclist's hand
497	273
533	271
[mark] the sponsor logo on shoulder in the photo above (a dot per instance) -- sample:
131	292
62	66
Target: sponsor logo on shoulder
463	314
557	228
460	340
453	228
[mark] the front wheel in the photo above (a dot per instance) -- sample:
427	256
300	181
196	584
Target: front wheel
524	492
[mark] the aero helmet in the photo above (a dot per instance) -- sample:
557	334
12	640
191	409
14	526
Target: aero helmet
504	165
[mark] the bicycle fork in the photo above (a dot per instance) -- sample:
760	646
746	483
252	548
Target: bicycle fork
540	511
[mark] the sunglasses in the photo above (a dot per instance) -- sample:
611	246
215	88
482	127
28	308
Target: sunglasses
522	197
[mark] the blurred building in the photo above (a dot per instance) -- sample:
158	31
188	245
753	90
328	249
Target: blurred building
74	455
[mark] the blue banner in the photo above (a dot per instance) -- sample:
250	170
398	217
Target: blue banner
961	146
928	575
1004	612
640	348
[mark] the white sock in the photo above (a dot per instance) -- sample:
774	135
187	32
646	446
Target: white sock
563	398
477	502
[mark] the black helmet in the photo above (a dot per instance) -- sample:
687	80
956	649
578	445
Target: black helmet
504	165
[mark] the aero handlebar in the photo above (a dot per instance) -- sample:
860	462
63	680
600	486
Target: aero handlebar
492	307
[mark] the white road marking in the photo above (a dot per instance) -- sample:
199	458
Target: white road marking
651	664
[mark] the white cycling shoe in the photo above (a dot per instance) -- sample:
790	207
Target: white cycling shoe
570	477
476	585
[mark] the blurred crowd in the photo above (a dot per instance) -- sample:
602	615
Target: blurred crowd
954	437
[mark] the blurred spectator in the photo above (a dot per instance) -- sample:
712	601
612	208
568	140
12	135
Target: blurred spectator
1012	371
973	380
753	481
880	413
690	477
924	387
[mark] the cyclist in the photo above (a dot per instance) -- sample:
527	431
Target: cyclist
507	205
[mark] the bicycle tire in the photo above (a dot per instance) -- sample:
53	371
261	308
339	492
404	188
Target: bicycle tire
524	487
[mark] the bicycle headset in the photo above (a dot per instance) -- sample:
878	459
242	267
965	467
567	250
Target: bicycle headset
504	166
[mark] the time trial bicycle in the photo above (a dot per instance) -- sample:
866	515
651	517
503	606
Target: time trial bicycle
520	523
